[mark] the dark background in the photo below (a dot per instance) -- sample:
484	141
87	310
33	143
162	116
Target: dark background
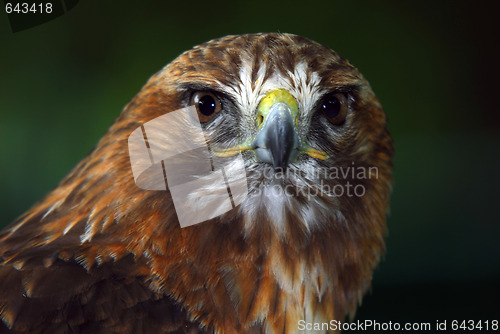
433	65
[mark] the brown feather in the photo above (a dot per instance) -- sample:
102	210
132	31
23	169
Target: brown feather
100	255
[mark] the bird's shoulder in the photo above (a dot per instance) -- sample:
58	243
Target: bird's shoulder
65	297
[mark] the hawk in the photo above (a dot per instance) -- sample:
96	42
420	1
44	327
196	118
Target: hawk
99	254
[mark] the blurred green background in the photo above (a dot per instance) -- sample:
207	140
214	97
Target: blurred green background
433	65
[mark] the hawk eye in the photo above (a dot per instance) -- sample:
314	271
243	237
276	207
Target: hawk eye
207	105
334	107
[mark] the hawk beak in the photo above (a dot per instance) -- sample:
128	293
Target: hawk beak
277	141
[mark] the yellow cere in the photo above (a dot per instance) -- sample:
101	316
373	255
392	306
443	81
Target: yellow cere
276	96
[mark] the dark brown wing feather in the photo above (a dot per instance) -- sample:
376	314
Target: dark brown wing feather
66	298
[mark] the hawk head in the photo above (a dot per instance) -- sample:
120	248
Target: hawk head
302	244
311	131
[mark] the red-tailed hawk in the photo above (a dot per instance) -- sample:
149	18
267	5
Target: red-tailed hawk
100	254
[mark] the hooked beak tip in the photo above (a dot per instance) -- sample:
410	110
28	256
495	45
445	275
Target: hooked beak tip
277	141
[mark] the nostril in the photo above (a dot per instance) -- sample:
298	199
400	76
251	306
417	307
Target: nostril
260	120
